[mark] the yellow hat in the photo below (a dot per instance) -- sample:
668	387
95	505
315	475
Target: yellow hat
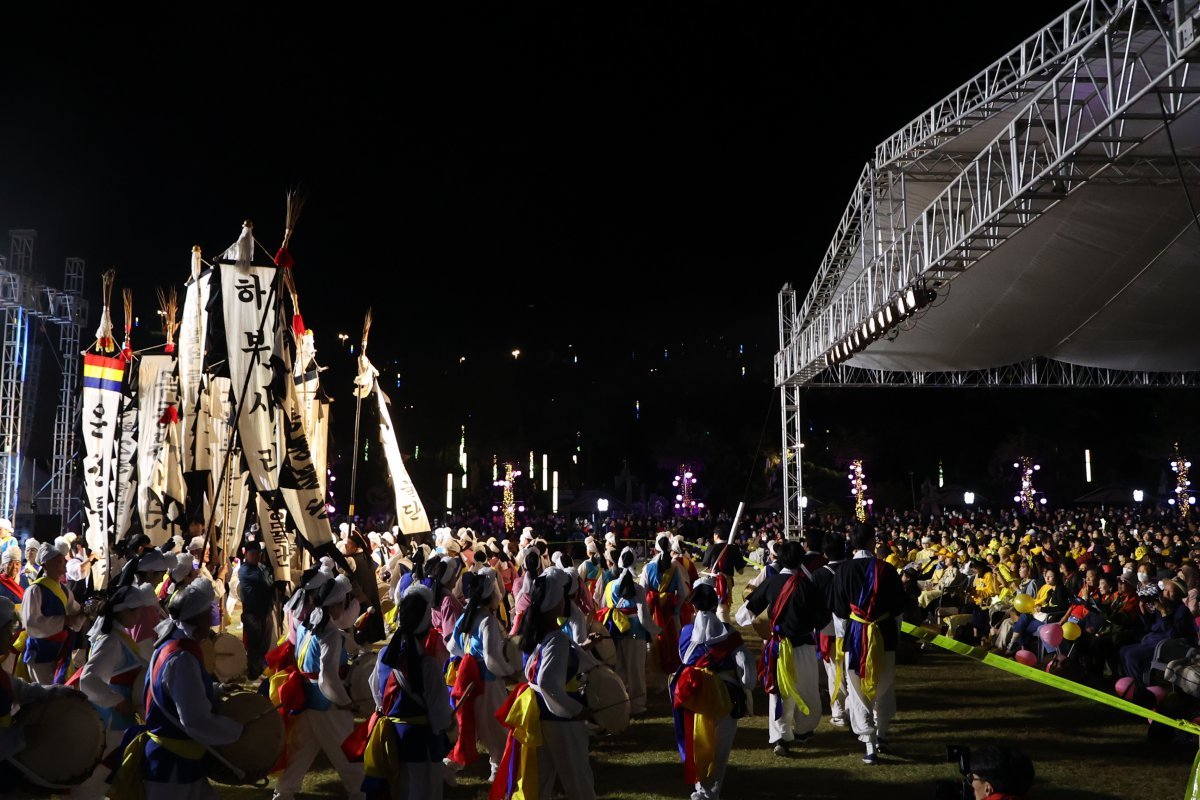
894	560
1036	551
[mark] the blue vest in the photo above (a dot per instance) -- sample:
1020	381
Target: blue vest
308	661
161	764
572	684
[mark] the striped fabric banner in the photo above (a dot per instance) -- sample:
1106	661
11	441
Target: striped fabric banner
102	372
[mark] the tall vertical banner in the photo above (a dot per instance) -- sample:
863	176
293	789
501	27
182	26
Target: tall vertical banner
298	479
249	310
102	378
127	454
320	444
192	333
410	512
160	468
272	523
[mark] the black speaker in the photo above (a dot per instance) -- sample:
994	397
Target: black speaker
47	526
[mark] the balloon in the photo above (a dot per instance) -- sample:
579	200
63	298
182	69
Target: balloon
1071	631
1158	692
1023	603
1051	634
1026	657
1124	687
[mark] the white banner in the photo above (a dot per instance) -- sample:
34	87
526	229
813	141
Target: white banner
410	513
159	467
192	333
276	541
233	505
102	379
126	464
301	487
250	336
320	444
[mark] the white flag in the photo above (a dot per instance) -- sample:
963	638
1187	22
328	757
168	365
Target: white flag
192	332
410	512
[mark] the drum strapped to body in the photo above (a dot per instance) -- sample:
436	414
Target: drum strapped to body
64	741
607	699
604	648
229	657
762	626
358	684
258	749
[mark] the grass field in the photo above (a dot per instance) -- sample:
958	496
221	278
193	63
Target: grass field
1080	749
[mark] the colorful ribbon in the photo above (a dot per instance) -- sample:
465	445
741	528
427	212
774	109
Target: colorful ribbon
517	775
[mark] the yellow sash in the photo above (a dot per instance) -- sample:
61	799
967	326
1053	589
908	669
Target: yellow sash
874	655
525	719
839	659
708	706
55	588
785	675
127	784
619	618
381	758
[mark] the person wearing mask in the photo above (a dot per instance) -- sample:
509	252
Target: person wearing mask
479	689
325	721
710	651
114	661
552	701
868	595
52	619
256	590
797	612
166	756
410	732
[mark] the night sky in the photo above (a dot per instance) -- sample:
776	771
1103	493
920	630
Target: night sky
618	192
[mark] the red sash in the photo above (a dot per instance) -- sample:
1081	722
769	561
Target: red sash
467	686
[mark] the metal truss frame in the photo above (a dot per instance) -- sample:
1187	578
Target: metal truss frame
1035	373
69	310
1074	128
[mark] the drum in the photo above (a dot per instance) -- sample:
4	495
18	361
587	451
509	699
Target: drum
229	658
261	742
607	699
358	684
762	626
604	648
64	741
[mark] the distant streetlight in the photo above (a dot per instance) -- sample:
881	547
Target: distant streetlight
1138	495
969	498
602	505
516	353
343	337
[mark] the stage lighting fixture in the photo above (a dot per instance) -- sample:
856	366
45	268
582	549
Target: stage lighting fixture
872	328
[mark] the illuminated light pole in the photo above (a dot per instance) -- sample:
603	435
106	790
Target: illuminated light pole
449	491
554	497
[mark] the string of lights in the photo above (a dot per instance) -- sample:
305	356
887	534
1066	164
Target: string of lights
858	489
1027	498
685	501
1184	498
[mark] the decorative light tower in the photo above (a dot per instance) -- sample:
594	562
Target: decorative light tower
685	503
858	489
1028	497
1184	498
507	502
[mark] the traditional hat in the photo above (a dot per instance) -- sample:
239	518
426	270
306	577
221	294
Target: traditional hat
128	597
388	537
182	568
192	600
154	560
11	553
47	552
32	544
6	525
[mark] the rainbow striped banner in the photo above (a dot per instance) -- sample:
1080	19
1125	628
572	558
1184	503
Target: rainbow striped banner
102	372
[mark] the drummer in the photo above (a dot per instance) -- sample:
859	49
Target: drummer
479	640
555	703
111	669
410	732
628	619
52	619
326	719
14	691
149	572
29	572
166	756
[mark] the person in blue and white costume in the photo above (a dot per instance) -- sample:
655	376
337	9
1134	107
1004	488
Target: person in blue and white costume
180	723
51	618
108	676
575	623
409	739
326	720
628	620
478	635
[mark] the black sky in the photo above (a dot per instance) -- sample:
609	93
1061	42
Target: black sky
619	179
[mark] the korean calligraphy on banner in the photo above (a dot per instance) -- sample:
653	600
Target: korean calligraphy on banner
272	523
159	466
102	379
192	332
410	512
301	487
127	452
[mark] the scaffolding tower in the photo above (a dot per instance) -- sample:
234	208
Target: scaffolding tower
25	302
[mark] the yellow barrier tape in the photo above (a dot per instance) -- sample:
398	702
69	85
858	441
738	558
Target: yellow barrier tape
1053	681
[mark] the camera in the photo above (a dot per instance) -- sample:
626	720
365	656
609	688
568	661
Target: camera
960	789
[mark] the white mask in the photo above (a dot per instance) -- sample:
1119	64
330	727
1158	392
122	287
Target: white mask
1143	577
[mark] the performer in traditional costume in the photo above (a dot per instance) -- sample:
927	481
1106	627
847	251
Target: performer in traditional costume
325	720
108	676
830	640
10	575
51	618
789	666
166	756
529	564
628	619
479	689
867	593
666	590
14	691
256	590
711	691
29	572
545	716
408	737
151	568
